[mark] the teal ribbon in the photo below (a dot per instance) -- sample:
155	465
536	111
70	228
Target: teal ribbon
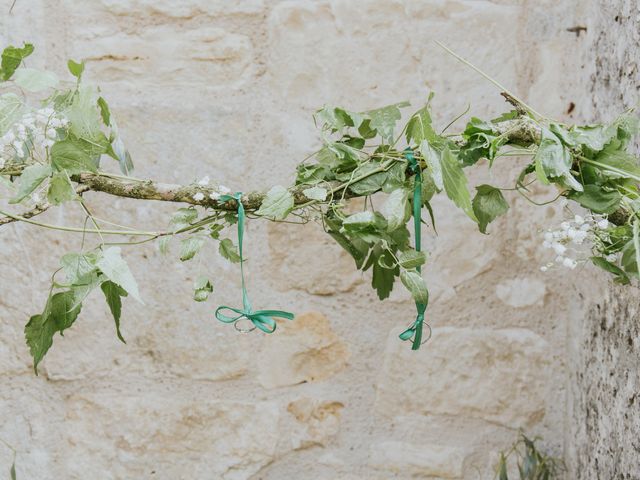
415	330
262	319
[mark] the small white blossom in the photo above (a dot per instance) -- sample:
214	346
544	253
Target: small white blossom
544	268
570	263
578	220
204	180
603	224
198	197
214	196
546	244
559	248
612	257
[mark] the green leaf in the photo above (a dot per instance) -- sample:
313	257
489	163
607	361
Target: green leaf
189	247
455	183
369	184
112	293
419	127
202	289
552	156
67	155
12	472
59	314
316	193
414	282
34	80
229	251
621	276
75	68
113	266
84	114
596	199
384	119
396	209
488	204
183	218
432	158
382	280
11	59
77	267
31	179
104	111
617	163
60	189
411	259
277	204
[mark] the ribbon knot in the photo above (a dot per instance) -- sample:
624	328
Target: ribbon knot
261	319
415	330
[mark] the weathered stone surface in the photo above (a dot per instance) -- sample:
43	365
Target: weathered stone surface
496	375
325	270
317	422
304	350
174	436
424	460
521	292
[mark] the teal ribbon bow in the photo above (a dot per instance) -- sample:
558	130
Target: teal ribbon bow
415	330
262	319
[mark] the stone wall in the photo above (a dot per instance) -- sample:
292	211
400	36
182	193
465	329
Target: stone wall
227	89
603	418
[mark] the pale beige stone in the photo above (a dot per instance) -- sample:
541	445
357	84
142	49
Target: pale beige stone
318	422
521	292
496	375
303	350
171	436
441	461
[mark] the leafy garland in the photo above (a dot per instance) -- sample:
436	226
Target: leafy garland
52	154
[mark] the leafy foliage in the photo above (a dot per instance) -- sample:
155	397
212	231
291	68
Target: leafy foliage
530	462
62	143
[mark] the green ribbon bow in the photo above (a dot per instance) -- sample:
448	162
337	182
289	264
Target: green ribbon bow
262	319
415	330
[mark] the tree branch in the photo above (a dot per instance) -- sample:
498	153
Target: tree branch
522	130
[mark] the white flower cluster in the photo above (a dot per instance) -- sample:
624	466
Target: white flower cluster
36	131
222	190
573	239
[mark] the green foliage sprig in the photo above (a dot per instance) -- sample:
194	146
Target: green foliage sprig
52	154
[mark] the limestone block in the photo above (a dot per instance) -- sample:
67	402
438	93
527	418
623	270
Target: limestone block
310	260
303	350
181	10
521	292
170	436
441	461
496	375
317	422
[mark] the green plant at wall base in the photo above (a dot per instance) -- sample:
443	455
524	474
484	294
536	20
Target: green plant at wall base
531	463
53	153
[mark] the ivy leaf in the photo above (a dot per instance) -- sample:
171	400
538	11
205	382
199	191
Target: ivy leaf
419	127
34	80
596	199
31	179
11	59
488	204
202	289
277	204
104	111
382	280
616	163
414	282
228	250
59	314
183	218
432	158
552	157
369	184
455	183
76	68
113	266
316	193
189	247
112	294
396	209
410	259
620	276
77	266
384	119
67	155
60	189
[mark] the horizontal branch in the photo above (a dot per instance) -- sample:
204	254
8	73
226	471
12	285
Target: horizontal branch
522	130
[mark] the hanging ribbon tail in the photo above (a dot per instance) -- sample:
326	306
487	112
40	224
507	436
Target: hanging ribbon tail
261	319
